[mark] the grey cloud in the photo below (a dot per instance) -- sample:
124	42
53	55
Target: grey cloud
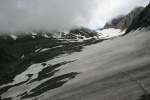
28	15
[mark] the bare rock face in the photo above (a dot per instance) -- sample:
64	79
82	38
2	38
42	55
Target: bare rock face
123	22
142	20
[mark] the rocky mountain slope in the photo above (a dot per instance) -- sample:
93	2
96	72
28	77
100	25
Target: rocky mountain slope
42	65
78	72
18	52
123	22
142	20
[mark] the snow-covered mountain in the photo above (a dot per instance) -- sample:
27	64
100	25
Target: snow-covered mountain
41	65
73	34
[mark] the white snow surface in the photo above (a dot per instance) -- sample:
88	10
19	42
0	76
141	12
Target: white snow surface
14	36
110	33
94	62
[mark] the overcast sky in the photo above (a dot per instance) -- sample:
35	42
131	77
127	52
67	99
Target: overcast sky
28	15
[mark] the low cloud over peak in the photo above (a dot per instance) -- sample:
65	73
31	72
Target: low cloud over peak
28	15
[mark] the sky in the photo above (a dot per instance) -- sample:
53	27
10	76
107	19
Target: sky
52	15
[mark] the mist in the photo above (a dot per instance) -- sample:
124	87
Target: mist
58	15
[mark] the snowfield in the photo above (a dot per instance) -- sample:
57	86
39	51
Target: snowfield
110	33
101	69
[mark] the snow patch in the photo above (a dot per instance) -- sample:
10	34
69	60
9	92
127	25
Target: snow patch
22	56
45	49
46	36
33	33
110	33
14	36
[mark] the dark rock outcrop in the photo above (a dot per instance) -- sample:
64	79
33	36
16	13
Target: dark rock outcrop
142	20
123	22
80	33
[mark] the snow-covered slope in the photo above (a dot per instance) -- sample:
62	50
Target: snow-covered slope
100	69
75	35
14	36
110	33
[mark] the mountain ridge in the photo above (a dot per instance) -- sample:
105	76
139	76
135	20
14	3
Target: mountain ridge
142	20
123	21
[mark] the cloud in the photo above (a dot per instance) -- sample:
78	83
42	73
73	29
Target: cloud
50	15
28	15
